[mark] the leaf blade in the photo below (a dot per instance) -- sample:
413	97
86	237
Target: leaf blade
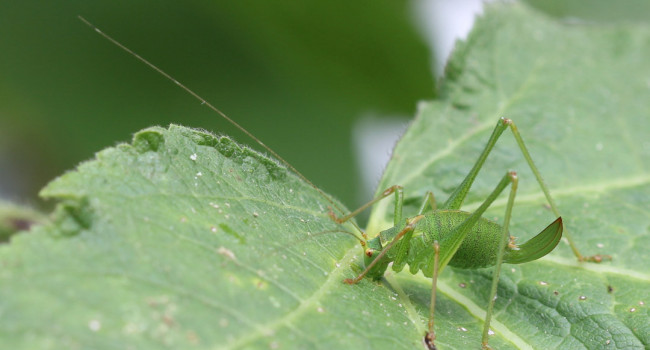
128	261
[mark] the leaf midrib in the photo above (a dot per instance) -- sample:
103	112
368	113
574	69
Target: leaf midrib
335	278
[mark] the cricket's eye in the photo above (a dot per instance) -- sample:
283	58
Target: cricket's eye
370	252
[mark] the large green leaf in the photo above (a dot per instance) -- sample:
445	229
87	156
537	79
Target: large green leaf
578	94
182	239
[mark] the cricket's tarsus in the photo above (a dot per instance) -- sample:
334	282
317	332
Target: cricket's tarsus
429	339
434	238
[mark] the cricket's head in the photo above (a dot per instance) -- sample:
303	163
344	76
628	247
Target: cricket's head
373	249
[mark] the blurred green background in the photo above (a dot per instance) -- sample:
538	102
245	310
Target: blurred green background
295	73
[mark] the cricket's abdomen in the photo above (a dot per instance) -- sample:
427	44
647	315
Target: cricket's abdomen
479	249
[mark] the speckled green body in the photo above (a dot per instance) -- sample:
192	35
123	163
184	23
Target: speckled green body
478	249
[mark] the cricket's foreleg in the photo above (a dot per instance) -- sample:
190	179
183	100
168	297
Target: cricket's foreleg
547	193
430	337
399	201
408	228
497	268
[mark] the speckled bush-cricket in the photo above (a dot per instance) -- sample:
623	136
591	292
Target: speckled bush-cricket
438	235
445	235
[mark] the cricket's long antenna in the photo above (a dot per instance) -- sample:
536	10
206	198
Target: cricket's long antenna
215	109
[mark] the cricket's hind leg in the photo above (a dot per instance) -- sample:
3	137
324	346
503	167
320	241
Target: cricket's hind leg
456	199
456	237
430	337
